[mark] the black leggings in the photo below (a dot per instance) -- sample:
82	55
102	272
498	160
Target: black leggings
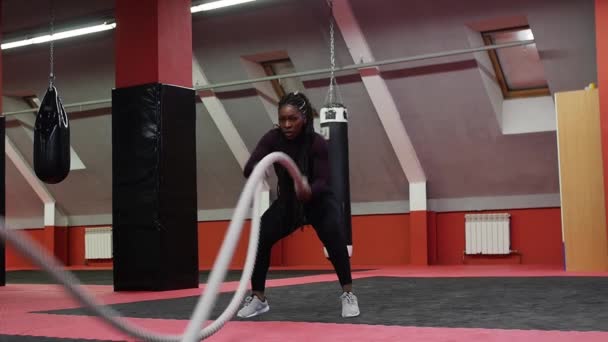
322	214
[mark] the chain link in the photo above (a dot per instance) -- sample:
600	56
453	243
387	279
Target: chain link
332	56
333	85
52	45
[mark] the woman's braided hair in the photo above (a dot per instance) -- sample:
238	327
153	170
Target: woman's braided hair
302	159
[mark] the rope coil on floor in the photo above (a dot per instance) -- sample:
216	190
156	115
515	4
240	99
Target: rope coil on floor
207	301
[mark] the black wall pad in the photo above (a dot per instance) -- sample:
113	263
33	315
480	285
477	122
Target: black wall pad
154	209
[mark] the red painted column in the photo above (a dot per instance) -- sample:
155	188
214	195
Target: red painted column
55	241
433	251
153	42
419	241
76	252
601	36
49	239
154	209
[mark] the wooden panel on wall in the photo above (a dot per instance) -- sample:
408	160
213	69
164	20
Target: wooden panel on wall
581	180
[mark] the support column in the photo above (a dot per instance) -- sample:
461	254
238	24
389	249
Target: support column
601	34
52	233
155	239
394	127
56	237
419	227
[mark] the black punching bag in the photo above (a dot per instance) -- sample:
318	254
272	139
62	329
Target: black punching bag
52	139
334	128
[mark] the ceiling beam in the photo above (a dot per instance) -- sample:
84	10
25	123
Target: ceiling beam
28	122
51	213
383	103
266	93
220	117
224	124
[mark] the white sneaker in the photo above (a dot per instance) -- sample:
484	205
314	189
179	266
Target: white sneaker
350	305
253	306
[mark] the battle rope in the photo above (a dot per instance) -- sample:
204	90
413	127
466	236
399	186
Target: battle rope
206	302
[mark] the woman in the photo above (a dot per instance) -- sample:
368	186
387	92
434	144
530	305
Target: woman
314	204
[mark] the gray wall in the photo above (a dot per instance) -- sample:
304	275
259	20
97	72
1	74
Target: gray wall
444	104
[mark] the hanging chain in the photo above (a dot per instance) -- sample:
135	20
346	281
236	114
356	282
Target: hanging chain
332	56
52	46
333	95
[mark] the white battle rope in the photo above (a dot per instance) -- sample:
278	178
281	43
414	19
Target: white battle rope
207	300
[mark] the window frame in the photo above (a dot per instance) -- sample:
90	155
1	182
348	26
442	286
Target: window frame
276	84
500	76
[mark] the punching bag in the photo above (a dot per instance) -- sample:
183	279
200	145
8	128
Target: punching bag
51	139
334	128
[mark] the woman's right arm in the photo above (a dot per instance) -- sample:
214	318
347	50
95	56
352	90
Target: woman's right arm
263	148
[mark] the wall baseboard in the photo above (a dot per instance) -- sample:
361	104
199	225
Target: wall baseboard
357	208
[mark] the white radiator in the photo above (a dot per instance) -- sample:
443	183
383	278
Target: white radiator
487	234
98	243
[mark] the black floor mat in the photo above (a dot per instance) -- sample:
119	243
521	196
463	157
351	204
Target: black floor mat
542	303
104	277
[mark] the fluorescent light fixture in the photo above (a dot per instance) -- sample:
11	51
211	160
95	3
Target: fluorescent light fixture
216	4
59	35
108	26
